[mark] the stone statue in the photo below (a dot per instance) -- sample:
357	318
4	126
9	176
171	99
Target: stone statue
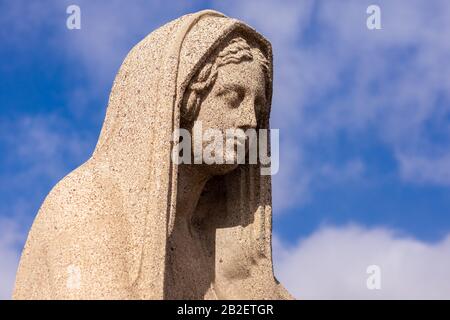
130	223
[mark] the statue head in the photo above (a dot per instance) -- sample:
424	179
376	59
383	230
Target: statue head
227	95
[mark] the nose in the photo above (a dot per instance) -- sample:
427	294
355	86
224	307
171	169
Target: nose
247	115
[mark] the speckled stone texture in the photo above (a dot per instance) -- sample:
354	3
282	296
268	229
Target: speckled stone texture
118	227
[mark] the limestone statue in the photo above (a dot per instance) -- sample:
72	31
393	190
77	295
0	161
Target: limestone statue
129	223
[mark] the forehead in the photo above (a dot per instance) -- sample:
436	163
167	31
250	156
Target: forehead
246	74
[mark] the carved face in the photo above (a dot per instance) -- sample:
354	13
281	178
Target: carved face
235	101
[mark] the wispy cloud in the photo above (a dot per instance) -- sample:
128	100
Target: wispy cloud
38	147
335	77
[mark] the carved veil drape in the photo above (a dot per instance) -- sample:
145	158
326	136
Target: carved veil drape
131	175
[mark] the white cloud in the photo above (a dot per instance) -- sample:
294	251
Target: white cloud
332	264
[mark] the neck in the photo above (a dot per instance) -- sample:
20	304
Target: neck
191	181
186	254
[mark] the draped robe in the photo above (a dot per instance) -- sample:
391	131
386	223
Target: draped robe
106	230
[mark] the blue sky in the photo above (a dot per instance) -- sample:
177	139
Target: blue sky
364	119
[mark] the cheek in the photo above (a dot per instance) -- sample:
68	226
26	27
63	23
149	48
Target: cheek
220	119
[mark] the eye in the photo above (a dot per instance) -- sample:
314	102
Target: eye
232	97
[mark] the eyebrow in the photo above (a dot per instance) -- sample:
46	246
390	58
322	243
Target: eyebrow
240	89
233	87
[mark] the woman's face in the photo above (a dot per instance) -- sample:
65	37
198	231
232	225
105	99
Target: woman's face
235	101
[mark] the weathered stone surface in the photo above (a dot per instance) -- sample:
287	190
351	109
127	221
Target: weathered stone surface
131	224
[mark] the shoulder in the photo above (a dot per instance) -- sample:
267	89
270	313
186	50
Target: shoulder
86	194
79	226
